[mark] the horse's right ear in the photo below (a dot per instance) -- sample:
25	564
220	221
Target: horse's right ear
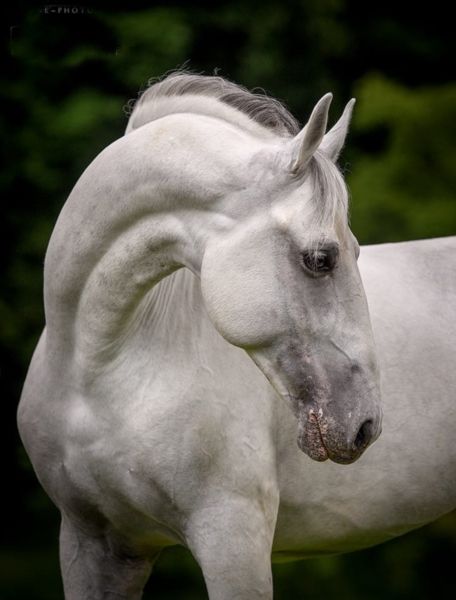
310	137
334	140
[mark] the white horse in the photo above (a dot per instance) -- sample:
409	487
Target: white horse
156	409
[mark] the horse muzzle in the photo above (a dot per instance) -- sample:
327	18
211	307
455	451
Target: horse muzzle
322	438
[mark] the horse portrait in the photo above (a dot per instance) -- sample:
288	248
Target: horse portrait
222	366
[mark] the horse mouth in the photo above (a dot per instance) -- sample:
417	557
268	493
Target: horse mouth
315	440
310	439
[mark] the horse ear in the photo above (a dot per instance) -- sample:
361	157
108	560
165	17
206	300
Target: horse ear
334	140
310	137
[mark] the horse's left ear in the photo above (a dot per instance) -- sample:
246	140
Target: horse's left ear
334	140
310	137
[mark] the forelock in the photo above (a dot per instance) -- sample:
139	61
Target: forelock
329	192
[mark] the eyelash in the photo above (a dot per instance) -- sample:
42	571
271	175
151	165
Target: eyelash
320	261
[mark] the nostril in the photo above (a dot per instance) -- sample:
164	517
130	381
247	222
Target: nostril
364	435
355	367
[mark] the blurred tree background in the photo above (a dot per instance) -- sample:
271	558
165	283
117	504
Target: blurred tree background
68	73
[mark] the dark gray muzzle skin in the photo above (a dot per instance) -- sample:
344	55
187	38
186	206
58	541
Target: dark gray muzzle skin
336	399
321	436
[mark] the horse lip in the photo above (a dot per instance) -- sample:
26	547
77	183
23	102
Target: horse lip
315	418
340	458
311	439
314	445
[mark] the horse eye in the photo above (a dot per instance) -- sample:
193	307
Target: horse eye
320	260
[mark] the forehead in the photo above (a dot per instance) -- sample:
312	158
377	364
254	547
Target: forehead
316	208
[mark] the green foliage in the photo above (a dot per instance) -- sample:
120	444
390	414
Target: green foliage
149	42
403	188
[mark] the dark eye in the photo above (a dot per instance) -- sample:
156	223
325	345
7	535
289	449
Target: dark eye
320	260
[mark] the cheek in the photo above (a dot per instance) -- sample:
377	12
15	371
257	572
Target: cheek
242	298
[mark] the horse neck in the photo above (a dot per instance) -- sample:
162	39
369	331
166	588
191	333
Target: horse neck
99	269
171	313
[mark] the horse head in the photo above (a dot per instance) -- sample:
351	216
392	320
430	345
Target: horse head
282	282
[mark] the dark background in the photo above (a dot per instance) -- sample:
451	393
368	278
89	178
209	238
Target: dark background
67	76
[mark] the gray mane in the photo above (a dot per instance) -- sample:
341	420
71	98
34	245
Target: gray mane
330	197
266	111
